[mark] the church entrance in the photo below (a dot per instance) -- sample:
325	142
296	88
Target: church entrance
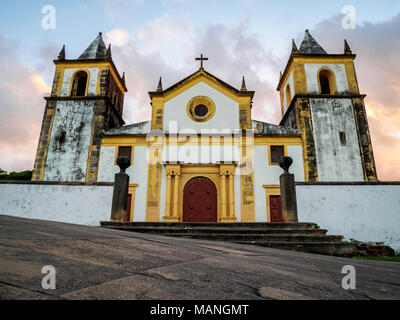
200	201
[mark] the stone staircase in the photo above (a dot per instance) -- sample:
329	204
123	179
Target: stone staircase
301	236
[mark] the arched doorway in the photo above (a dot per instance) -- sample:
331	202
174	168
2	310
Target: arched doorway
200	201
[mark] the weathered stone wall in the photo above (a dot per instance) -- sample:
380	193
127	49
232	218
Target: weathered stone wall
364	212
43	144
72	203
67	156
336	162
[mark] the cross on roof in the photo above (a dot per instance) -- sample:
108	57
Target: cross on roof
201	59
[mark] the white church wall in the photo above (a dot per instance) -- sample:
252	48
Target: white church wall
266	174
226	114
67	160
66	82
312	69
138	174
79	204
334	161
360	212
107	169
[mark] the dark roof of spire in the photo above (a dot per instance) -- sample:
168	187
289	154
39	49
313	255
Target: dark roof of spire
96	50
310	45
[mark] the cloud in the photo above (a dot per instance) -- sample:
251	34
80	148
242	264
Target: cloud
167	47
21	90
377	67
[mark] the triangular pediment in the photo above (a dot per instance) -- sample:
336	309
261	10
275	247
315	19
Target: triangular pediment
196	77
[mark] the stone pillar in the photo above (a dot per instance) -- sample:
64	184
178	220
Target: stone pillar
223	195
119	211
176	192
231	197
168	197
288	191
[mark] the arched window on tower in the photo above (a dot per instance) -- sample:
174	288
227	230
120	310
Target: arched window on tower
79	84
327	82
288	96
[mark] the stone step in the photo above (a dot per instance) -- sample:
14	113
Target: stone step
288	236
207	230
260	237
327	248
263	225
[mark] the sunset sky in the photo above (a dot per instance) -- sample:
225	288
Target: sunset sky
161	38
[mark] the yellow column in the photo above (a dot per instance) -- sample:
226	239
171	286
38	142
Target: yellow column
176	190
168	197
231	197
223	195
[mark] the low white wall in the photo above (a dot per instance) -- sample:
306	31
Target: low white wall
79	204
362	212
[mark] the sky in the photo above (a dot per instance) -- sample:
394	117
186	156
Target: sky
153	38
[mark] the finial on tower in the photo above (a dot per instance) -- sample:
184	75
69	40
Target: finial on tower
280	75
243	88
347	49
159	87
61	55
294	47
101	34
123	77
108	53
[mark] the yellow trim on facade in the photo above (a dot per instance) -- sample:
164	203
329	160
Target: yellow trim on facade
351	78
270	190
60	82
171	140
93	64
43	168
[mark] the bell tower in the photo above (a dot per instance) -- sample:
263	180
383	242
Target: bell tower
320	97
87	98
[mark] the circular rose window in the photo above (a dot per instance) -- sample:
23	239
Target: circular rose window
201	109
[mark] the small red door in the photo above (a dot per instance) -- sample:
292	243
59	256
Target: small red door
128	208
200	201
275	208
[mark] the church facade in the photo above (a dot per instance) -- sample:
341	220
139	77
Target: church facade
202	157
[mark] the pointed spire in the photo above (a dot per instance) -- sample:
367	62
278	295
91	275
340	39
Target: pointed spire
61	55
108	53
280	76
310	45
347	49
159	87
243	88
123	77
96	50
294	47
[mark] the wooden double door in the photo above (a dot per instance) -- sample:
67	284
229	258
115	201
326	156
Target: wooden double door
200	202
